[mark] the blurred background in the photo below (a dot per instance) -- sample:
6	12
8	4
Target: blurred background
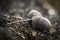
21	7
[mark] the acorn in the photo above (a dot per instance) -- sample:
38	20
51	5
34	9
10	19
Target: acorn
44	24
39	22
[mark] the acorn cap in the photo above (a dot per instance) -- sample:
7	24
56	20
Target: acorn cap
34	13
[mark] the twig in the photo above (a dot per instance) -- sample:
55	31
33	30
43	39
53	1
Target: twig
20	21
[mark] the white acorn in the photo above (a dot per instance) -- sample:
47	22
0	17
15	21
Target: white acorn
39	22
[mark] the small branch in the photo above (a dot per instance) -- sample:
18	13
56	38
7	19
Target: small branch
20	21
